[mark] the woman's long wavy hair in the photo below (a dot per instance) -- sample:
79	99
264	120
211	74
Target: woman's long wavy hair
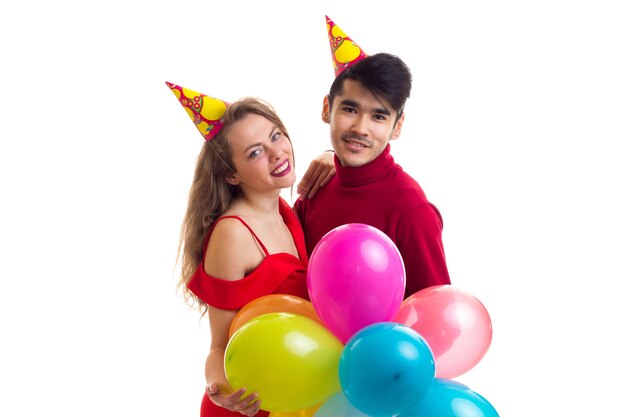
210	195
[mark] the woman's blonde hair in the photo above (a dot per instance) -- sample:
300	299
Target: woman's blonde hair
210	195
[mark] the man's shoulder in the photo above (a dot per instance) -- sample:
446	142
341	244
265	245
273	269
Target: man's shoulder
406	186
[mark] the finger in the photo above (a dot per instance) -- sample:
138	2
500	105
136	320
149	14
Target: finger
322	180
305	178
242	405
329	175
230	401
212	389
248	401
315	178
309	181
235	397
301	191
314	189
252	409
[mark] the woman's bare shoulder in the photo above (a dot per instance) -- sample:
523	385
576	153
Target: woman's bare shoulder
231	251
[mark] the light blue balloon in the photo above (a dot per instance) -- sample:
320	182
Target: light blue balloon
386	368
448	398
338	406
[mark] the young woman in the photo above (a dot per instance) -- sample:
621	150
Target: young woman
240	240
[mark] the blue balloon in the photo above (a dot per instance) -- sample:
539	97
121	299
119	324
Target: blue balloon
448	398
338	406
385	368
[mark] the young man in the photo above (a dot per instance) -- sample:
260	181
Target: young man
364	110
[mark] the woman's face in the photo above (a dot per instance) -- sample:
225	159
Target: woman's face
262	155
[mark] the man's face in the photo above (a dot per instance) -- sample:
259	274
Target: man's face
361	125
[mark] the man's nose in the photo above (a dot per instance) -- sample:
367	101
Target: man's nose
359	127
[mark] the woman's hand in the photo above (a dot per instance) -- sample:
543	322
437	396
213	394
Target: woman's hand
234	401
320	171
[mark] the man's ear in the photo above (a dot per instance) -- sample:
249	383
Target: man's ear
232	178
326	110
397	129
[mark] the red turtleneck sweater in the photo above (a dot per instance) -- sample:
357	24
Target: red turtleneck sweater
382	195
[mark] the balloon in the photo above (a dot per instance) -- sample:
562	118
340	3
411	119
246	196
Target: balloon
338	406
385	368
309	412
451	399
355	278
455	324
291	361
272	303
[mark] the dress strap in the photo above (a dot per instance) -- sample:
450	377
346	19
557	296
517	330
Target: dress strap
249	228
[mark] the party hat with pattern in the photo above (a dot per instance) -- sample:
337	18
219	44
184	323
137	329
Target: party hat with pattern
345	52
205	112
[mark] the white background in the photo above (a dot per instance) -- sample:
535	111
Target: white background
513	129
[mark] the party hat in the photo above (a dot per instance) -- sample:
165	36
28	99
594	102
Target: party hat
344	50
205	112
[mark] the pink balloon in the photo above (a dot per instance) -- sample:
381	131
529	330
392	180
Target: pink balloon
355	278
456	326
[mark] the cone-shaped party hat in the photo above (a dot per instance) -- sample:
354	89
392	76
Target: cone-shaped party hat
205	112
345	52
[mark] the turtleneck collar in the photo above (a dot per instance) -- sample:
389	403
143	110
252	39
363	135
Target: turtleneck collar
356	176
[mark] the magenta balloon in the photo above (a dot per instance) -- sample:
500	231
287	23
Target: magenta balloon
456	326
355	278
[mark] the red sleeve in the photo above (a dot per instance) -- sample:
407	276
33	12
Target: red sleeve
232	295
418	237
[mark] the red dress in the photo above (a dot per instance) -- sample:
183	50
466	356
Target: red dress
278	273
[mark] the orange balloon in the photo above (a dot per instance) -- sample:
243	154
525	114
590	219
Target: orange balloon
273	303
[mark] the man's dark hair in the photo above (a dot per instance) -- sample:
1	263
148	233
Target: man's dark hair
385	75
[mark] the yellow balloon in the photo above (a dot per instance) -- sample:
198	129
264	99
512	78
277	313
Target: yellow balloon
308	412
291	361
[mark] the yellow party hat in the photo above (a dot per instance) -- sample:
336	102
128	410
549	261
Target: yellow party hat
205	112
345	52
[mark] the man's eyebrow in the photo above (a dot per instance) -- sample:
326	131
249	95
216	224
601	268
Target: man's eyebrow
377	110
351	103
382	110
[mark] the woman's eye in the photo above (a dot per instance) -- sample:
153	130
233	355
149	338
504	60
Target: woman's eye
276	136
255	153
